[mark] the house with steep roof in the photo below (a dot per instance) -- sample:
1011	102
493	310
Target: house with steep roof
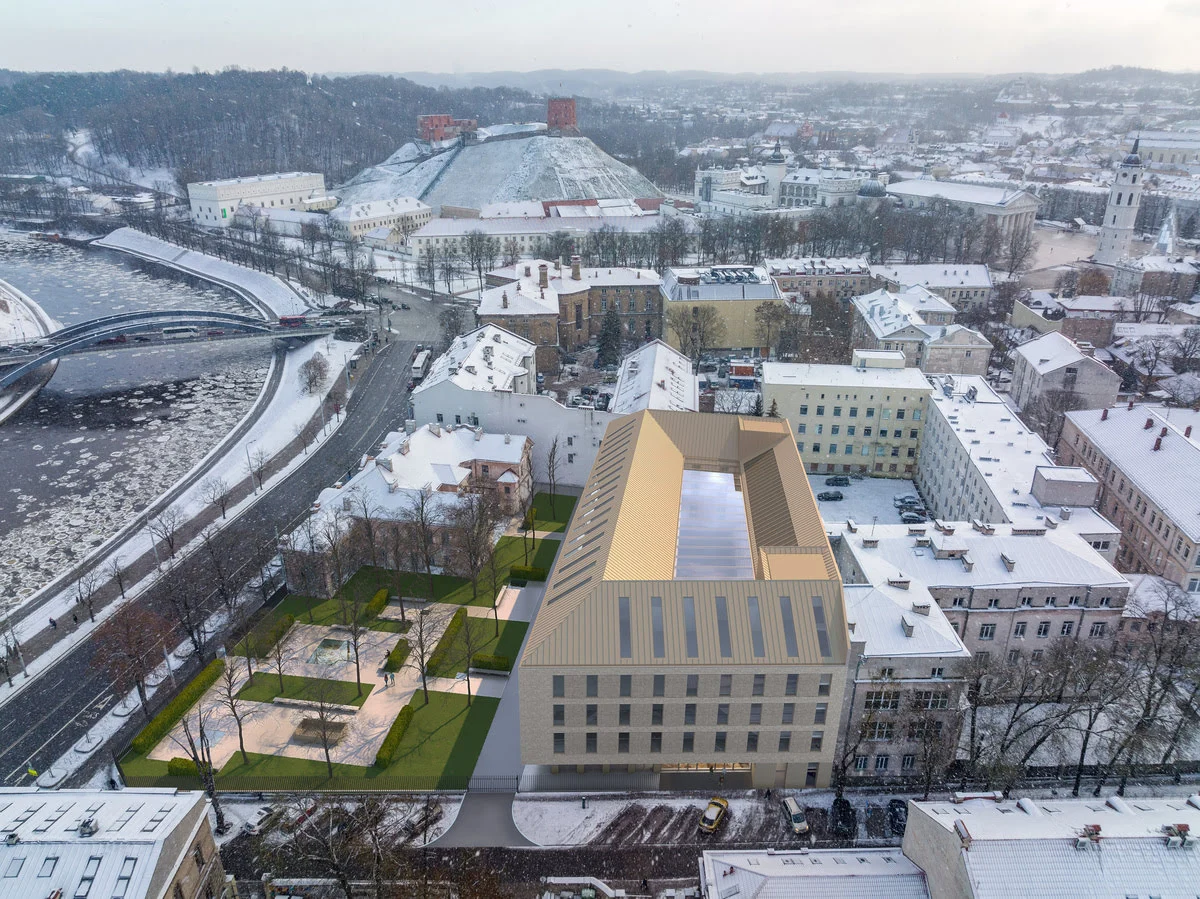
920	324
1054	367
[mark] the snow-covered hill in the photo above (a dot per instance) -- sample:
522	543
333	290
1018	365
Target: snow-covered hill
530	168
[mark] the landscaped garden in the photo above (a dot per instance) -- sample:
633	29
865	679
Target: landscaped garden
552	515
449	657
263	686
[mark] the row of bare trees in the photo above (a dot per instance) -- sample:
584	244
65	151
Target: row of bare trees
1101	710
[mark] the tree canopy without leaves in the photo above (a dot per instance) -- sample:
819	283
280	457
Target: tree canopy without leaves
313	374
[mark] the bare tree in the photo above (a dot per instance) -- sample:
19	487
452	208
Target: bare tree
85	592
256	466
117	571
423	521
397	537
322	839
423	636
1186	349
769	318
935	735
199	750
216	567
326	712
1019	251
366	512
1047	413
528	513
472	525
227	695
350	611
185	597
129	646
281	654
165	527
313	374
553	467
679	323
1148	354
215	491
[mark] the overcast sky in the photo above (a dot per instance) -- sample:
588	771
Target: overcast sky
716	35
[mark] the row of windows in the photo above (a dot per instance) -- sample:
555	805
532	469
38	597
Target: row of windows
988	631
593	714
868	431
848	450
883	762
1027	602
852	412
687	741
758	685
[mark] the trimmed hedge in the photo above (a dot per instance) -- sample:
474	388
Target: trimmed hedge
387	749
180	767
528	572
377	604
160	725
397	657
446	645
264	637
490	662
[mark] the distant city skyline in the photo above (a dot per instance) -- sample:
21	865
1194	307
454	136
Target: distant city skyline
868	36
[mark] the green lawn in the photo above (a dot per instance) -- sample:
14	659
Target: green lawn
512	633
264	686
552	516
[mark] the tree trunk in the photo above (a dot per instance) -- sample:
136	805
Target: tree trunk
357	668
1087	738
241	741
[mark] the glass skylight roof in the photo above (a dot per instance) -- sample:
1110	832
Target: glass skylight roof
714	538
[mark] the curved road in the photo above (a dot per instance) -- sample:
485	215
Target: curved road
42	722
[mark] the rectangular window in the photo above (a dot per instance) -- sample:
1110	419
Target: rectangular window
726	685
756	713
987	632
656	626
689	741
1043	629
626	684
881	700
756	633
789	712
785	741
752	741
719	741
814	743
1068	628
723	628
559	682
660	685
656	741
656	714
792	685
1097	629
593	685
821	712
560	716
882	730
590	714
908	762
881	762
860	763
824	685
623	711
689	627
623	741
693	684
560	743
624	627
810	776
723	713
590	745
689	713
1019	629
818	607
760	685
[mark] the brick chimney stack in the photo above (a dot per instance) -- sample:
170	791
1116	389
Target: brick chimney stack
543	276
575	274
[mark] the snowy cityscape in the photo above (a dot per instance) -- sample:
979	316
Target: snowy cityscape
429	473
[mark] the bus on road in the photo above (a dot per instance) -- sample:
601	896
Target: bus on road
181	332
420	366
292	321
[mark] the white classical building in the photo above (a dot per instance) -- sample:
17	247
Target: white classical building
1009	210
488	378
403	215
213	203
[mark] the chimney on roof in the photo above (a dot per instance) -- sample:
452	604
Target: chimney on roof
1148	425
1187	432
575	275
504	300
527	271
1009	562
1163	432
1104	415
1130	409
1157	444
508	438
543	276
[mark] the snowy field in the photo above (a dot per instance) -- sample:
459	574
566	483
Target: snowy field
864	500
269	290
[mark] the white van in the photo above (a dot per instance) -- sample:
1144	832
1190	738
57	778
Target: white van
795	815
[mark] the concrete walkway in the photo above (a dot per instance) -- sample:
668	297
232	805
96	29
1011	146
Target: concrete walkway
485	819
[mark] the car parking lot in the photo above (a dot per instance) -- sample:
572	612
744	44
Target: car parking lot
863	499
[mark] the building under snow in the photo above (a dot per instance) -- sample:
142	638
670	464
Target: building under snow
213	203
919	324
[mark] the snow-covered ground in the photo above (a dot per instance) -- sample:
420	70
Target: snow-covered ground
17	321
270	291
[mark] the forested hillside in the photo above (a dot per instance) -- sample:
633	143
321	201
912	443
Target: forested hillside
230	123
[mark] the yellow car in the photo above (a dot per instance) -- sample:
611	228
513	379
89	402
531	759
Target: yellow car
714	815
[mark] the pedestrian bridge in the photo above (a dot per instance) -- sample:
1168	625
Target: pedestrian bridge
146	328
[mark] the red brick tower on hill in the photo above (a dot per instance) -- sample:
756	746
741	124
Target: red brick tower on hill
560	115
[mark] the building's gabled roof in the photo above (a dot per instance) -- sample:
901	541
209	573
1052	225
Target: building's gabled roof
687	505
1050	352
958	192
936	276
655	376
827	873
883	617
488	358
888	313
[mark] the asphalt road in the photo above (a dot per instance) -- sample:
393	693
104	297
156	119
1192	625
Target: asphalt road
42	722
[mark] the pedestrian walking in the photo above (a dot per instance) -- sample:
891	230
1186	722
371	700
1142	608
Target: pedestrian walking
53	624
74	618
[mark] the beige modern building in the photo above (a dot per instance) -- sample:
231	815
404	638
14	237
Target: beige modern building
1146	459
213	203
852	418
733	291
693	624
132	844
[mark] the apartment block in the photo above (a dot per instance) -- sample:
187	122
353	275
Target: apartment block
1054	368
693	625
841	278
963	286
1145	459
732	291
920	324
852	418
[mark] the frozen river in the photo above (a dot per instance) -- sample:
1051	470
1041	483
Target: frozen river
112	430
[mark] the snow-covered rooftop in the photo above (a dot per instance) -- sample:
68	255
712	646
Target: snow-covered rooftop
1050	352
959	192
655	376
798	373
828	873
520	225
256	179
813	265
357	212
887	312
526	296
883	616
488	358
1124	438
720	282
936	277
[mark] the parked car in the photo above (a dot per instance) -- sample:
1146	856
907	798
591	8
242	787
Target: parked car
897	816
912	518
260	821
796	818
837	481
215	332
905	499
830	496
116	338
143	338
405	306
589	391
714	815
843	819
